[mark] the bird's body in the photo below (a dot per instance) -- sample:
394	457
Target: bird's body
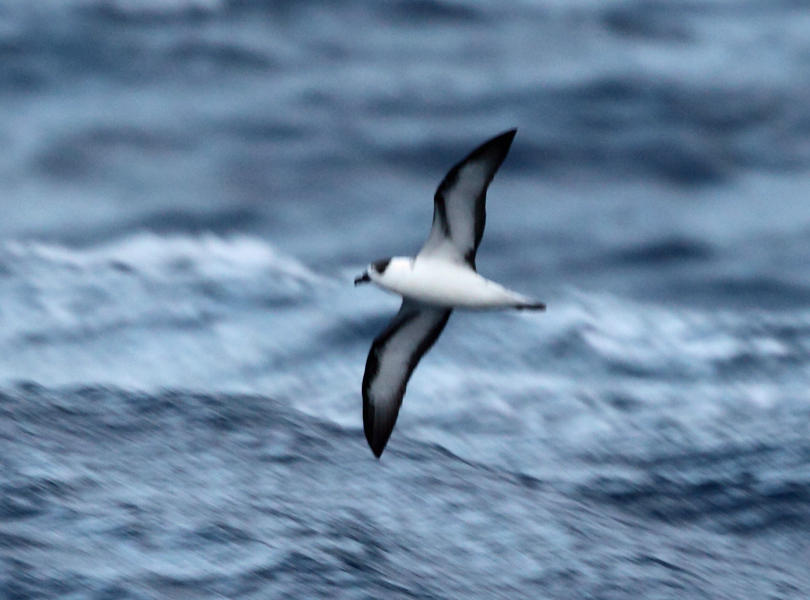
447	284
440	278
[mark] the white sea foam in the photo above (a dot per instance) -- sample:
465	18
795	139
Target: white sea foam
208	255
148	311
213	313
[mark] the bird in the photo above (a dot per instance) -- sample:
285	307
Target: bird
440	278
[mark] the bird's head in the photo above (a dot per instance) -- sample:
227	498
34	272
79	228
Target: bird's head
374	270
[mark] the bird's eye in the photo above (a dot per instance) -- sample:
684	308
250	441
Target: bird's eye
380	265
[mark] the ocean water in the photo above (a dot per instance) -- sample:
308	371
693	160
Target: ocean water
187	190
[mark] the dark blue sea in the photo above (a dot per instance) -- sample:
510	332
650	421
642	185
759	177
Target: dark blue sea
189	187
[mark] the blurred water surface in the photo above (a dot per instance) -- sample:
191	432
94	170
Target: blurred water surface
188	188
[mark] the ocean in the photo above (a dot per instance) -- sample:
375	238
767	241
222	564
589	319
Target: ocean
188	189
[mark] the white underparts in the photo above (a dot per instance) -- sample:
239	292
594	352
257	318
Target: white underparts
444	283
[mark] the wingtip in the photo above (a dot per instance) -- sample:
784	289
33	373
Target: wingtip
495	148
377	446
506	136
374	435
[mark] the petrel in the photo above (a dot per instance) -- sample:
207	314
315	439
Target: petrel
440	278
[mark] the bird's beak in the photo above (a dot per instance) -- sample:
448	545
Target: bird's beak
364	278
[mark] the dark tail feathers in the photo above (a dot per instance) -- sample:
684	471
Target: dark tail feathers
531	306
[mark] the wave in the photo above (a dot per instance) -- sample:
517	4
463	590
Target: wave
224	494
147	253
726	489
235	313
132	311
663	252
153	10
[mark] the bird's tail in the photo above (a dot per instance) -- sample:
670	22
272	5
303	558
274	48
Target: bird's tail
531	305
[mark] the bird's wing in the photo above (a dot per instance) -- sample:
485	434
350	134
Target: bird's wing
391	360
459	206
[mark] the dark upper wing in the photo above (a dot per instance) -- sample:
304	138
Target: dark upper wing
391	360
459	206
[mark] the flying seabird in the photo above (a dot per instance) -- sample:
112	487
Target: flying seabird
440	278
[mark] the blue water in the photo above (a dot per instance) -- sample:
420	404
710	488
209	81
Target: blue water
188	188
